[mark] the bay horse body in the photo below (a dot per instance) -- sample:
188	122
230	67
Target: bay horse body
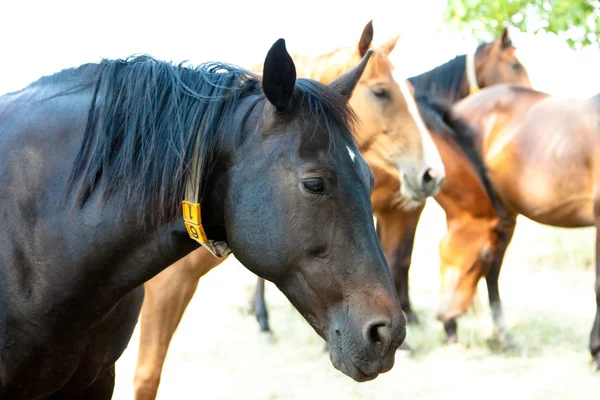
541	154
94	164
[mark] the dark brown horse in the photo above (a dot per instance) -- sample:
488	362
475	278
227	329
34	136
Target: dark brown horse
390	134
173	289
541	153
94	165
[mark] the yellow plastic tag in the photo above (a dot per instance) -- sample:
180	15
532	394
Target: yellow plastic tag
193	221
196	232
191	212
473	90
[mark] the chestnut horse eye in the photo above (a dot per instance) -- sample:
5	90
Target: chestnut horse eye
314	185
381	92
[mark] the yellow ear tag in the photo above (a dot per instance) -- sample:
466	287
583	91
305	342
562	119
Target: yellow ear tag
193	221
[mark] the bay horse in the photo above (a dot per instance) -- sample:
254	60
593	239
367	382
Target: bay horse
465	195
390	134
541	155
94	164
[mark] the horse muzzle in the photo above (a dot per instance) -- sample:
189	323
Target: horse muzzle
363	351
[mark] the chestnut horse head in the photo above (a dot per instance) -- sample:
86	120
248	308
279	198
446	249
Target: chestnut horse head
391	134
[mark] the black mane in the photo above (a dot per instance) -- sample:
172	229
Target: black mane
146	116
435	92
444	81
437	117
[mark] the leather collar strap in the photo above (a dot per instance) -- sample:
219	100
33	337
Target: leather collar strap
192	216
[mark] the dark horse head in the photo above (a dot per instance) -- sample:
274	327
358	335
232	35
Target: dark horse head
297	212
281	182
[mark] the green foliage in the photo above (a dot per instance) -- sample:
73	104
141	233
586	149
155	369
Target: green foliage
577	21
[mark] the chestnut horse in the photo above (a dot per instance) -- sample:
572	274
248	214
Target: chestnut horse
390	136
94	164
541	153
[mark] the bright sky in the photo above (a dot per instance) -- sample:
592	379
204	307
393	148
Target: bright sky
42	37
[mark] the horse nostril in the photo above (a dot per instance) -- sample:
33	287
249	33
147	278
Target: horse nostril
379	333
432	179
428	176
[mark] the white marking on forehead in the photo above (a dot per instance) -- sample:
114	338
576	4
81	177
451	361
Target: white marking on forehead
431	156
352	155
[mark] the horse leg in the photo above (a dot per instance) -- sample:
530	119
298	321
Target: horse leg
167	296
260	307
595	334
451	329
463	262
396	230
505	233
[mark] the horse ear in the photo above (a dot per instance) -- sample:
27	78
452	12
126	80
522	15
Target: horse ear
388	46
279	76
505	36
504	40
345	83
365	39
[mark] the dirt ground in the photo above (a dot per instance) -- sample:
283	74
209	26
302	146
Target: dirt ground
547	286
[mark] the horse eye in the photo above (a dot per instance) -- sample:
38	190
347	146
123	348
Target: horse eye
314	185
381	92
515	65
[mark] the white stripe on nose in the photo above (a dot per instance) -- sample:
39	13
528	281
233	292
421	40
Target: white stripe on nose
431	156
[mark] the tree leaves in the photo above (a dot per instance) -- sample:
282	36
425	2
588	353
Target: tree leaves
576	21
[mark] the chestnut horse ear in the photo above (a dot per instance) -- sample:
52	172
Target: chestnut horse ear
345	83
279	76
365	39
388	46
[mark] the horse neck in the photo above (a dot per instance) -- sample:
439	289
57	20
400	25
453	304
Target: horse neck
91	254
323	68
166	242
455	200
446	82
119	256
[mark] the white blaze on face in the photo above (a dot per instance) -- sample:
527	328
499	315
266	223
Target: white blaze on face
431	156
351	153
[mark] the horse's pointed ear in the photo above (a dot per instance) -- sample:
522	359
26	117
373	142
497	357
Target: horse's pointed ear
366	38
345	83
505	35
279	76
388	46
504	40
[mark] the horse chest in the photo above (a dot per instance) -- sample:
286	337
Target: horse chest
66	360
